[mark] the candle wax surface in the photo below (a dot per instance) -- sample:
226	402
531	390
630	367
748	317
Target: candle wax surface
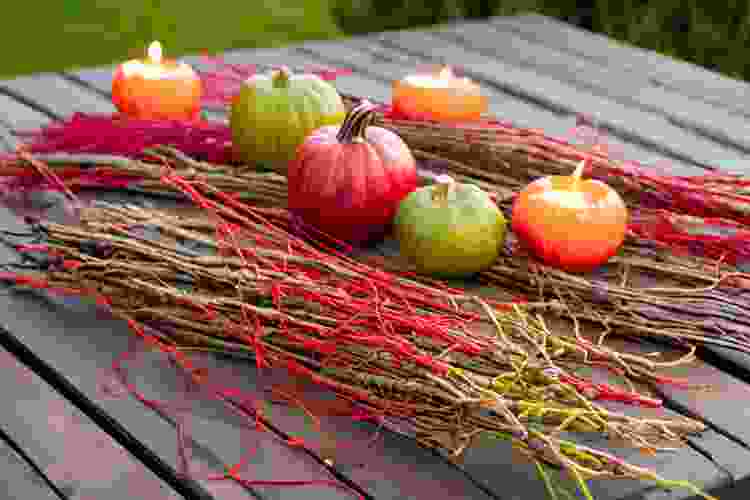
459	86
573	226
157	90
157	70
439	97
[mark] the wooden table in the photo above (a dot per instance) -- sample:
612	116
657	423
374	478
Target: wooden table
71	434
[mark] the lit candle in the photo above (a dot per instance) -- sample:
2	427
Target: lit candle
570	223
438	95
157	89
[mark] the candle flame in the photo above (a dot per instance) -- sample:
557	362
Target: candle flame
154	52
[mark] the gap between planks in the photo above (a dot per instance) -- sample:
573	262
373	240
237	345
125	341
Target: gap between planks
684	77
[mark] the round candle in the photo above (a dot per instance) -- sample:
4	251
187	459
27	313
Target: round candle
157	88
570	223
438	96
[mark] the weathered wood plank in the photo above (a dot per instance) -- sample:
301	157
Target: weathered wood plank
646	129
730	361
19	480
682	76
17	116
54	95
8	141
98	79
717	406
625	87
74	453
366	54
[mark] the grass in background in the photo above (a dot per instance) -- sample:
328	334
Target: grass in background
55	35
714	35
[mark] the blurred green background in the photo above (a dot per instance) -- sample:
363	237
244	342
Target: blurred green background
52	35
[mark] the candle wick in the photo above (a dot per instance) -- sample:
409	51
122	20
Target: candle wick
578	173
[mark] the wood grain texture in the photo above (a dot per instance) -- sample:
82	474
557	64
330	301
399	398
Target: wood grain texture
681	76
18	116
625	87
54	95
75	454
633	125
19	480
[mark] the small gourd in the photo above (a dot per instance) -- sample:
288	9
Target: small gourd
450	229
273	113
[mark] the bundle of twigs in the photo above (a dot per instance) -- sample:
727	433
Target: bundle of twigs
647	290
643	291
74	172
454	364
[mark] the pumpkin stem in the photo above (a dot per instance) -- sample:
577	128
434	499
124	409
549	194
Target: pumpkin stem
443	188
356	122
281	77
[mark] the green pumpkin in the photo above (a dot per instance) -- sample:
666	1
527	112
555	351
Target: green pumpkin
450	230
274	113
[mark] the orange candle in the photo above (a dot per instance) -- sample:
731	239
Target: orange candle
438	95
157	89
570	223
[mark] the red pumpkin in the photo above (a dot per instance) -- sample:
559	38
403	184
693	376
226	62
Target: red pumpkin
348	180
